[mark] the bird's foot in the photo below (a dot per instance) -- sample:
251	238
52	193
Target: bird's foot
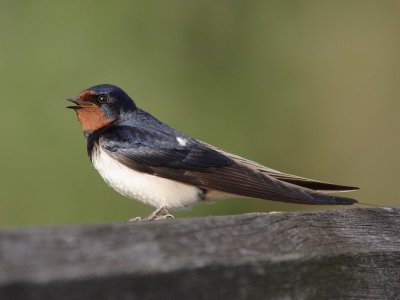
154	215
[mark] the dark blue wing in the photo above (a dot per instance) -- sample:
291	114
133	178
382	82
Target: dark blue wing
157	149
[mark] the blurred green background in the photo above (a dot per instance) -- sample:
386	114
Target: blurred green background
309	88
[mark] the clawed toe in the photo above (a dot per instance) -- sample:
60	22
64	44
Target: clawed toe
163	217
154	215
134	219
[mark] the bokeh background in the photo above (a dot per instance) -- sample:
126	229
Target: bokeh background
309	88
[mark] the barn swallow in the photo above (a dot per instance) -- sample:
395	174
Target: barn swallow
144	159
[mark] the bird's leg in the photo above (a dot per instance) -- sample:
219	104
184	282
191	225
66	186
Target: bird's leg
154	215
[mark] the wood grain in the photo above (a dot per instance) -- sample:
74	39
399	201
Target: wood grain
334	254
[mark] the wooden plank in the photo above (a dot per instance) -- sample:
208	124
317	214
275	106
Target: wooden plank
335	254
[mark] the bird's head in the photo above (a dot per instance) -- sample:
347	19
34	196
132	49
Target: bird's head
101	105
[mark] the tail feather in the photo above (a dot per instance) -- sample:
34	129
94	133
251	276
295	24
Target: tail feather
292	188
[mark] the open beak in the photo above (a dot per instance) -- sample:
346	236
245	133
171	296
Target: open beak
80	103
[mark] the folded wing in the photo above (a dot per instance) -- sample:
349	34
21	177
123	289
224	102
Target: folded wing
210	168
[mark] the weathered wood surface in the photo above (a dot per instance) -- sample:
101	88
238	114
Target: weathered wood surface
336	254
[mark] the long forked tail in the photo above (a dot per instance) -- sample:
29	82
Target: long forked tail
286	187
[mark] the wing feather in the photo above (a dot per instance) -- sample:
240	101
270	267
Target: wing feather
208	167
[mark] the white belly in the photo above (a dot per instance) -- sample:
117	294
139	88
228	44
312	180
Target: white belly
149	189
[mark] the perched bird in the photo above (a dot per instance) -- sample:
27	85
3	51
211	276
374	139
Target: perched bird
144	159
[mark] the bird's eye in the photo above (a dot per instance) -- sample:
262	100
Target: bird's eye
102	99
